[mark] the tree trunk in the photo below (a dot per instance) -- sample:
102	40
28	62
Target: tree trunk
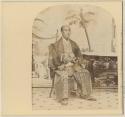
82	22
87	38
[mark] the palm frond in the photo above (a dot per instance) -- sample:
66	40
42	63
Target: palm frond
37	19
38	37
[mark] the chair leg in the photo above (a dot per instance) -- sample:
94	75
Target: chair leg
50	92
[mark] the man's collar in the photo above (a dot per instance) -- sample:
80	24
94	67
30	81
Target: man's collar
65	39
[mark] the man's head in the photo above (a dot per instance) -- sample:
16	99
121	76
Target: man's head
66	31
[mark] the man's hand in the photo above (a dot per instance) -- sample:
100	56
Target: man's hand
69	64
61	67
75	60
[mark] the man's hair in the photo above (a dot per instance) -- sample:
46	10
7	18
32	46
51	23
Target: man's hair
62	27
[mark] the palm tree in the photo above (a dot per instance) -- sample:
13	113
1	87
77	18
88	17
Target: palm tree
82	21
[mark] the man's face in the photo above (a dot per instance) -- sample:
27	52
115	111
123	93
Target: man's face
66	32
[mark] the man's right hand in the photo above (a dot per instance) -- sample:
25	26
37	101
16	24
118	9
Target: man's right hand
61	67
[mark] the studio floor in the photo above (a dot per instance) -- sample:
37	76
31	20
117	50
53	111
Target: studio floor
105	99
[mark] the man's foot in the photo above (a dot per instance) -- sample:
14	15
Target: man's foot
88	98
73	93
64	101
83	97
91	99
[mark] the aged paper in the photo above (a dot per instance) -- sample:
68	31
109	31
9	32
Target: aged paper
78	44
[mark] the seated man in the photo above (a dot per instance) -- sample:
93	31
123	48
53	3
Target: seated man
65	62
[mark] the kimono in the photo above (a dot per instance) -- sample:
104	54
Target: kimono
74	72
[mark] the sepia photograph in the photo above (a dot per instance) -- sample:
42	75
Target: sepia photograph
74	59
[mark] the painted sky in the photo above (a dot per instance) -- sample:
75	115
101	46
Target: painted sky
100	27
